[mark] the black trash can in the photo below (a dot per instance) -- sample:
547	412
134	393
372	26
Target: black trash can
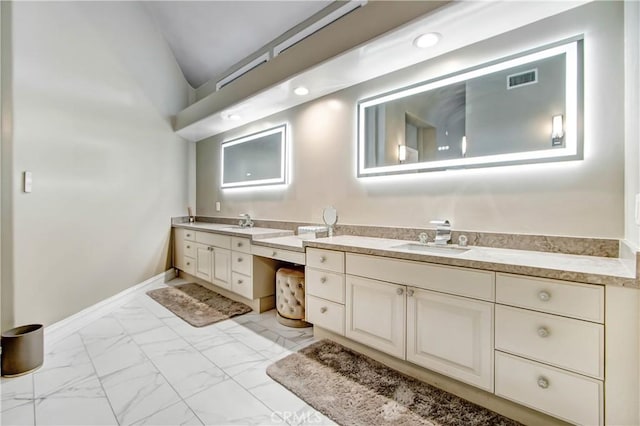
22	350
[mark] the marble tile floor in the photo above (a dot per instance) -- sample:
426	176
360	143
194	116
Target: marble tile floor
141	365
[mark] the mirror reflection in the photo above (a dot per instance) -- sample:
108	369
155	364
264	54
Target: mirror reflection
519	110
257	159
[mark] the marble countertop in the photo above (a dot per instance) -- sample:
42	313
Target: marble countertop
569	267
235	230
290	242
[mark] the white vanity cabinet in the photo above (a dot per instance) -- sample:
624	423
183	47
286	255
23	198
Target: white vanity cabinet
550	346
437	317
452	335
325	289
376	314
203	262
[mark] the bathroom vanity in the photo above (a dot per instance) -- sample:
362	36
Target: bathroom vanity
491	325
222	255
529	337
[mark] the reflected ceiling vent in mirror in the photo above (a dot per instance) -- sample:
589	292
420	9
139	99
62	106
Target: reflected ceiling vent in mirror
427	40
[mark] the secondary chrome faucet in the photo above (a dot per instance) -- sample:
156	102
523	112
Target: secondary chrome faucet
246	221
443	231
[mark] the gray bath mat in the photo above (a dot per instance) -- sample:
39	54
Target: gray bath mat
197	305
352	389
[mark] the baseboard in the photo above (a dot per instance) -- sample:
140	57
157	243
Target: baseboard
63	328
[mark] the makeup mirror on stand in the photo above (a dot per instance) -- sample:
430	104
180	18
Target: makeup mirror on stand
330	217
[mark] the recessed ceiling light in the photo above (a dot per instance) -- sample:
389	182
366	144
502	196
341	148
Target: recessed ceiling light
232	116
301	91
427	40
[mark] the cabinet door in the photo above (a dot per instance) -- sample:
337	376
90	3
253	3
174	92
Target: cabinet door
451	335
204	262
376	314
222	267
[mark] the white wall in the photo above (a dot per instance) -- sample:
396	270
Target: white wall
93	87
632	112
583	198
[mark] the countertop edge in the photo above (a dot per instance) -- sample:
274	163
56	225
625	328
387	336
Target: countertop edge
557	274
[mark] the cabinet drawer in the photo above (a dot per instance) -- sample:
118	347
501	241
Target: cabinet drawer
189	235
189	249
217	240
241	263
242	285
571	397
328	260
189	265
459	281
564	342
327	285
325	314
574	300
241	244
279	254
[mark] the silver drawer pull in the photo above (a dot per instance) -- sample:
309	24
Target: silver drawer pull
210	248
188	246
275	253
544	296
410	293
239	281
239	259
323	280
323	259
543	332
188	235
188	263
239	244
323	309
399	292
543	383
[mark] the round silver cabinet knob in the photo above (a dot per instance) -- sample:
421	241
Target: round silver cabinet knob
323	259
188	246
239	281
399	292
543	383
323	280
410	293
323	309
239	259
544	296
275	253
543	332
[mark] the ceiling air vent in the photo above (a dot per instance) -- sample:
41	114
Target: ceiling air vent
522	79
318	25
243	70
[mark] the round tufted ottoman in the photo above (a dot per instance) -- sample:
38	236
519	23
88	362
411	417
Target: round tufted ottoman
290	297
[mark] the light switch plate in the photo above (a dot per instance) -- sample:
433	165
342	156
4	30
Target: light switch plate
637	210
28	182
217	206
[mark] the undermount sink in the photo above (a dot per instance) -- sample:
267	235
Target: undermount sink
423	248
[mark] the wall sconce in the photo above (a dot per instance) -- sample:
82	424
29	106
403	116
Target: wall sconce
402	153
464	146
557	131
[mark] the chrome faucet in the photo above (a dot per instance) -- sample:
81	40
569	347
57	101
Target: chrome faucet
443	231
246	221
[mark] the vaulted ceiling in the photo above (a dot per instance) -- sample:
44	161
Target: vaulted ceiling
208	37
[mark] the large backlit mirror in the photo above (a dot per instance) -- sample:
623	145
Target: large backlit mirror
256	159
517	110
